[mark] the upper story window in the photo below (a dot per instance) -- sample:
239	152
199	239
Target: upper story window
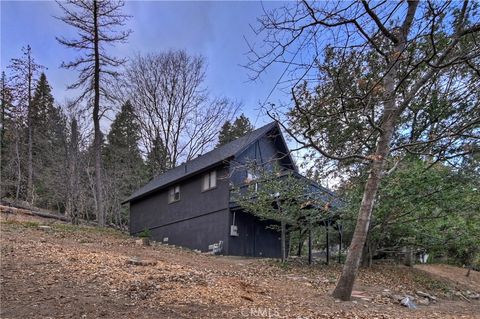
209	180
174	194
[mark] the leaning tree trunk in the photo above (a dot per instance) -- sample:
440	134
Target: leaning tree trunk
96	122
344	287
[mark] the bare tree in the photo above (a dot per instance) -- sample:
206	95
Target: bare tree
378	66
25	71
96	22
172	105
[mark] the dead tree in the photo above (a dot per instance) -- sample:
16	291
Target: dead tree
96	23
173	106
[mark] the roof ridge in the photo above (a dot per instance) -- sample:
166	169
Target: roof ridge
219	147
202	162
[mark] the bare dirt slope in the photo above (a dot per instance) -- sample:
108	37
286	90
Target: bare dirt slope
84	272
454	275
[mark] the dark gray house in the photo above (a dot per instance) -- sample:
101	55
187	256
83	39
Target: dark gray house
190	205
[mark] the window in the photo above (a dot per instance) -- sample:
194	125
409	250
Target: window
174	194
209	181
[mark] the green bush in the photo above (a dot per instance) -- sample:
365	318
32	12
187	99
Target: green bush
145	233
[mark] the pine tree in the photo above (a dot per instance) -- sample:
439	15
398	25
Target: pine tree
157	160
225	133
25	71
231	131
48	126
124	167
72	205
5	139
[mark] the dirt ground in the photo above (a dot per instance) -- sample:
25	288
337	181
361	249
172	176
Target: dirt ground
455	275
63	271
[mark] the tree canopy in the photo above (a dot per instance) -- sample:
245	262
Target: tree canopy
231	131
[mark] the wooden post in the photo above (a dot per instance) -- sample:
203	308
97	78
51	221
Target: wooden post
283	241
327	224
340	239
283	230
310	246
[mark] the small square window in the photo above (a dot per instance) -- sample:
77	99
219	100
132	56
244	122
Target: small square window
209	181
174	194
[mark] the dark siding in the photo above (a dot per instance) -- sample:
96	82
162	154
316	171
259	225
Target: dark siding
194	221
203	218
254	239
196	233
264	152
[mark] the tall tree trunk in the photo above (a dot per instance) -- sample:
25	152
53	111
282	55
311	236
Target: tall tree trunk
30	137
19	167
2	132
96	122
340	241
344	287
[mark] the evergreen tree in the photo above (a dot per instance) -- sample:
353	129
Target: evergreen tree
6	140
23	80
157	159
225	132
48	126
124	166
72	205
231	131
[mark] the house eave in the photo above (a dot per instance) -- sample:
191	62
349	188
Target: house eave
183	178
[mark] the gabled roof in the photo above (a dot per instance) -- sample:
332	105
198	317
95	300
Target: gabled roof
203	162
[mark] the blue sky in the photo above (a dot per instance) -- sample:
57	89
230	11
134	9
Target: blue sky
215	30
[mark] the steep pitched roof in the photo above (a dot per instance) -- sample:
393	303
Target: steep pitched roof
202	162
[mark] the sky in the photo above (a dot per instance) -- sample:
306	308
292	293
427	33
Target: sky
217	30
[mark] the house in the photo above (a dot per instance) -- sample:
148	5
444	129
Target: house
190	205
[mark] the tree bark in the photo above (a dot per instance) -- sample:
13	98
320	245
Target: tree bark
344	287
2	131
300	247
310	246
19	168
96	121
340	240
30	137
284	255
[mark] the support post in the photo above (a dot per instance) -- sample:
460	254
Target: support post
340	239
283	241
309	246
328	240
